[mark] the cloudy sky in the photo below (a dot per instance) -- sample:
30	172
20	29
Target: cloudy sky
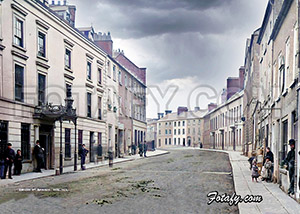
189	47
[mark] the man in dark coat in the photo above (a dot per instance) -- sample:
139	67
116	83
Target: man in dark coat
269	154
141	149
290	160
82	153
9	156
2	161
38	152
145	148
18	163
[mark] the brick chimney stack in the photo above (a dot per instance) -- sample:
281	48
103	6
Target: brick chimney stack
105	42
212	106
181	109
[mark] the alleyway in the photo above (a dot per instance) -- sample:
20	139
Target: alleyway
175	183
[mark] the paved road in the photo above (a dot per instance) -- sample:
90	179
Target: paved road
175	183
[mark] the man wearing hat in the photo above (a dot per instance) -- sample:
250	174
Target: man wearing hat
290	160
9	157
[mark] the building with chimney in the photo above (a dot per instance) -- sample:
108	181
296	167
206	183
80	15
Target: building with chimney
181	128
63	87
252	88
223	126
277	101
47	57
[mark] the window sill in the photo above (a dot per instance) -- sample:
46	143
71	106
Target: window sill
89	80
68	69
19	101
20	48
285	92
67	159
99	85
42	58
293	83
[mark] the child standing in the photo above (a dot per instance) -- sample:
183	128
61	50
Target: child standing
255	173
18	163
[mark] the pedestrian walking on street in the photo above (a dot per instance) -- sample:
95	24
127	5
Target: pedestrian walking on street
290	160
255	173
141	149
83	153
9	156
18	163
133	149
145	149
38	153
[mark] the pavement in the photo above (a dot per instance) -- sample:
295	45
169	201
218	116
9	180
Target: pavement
70	169
275	201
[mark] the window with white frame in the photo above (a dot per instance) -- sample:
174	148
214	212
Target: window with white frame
281	76
89	104
99	76
19	83
41	89
287	60
18	32
68	58
89	70
108	69
41	44
120	77
125	79
114	73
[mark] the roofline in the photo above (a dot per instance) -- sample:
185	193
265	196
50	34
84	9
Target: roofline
231	100
79	35
281	17
143	68
115	61
265	21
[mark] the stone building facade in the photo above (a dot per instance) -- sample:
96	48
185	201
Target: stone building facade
223	126
275	103
42	57
181	128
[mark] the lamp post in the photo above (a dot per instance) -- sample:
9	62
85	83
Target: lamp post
75	152
60	150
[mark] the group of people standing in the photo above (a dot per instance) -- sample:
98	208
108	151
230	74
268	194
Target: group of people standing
8	158
143	147
266	165
266	172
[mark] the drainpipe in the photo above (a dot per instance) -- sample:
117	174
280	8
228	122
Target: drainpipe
298	106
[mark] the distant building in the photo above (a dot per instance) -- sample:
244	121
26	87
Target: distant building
223	125
181	128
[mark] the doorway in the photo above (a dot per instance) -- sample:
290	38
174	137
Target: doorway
45	138
92	147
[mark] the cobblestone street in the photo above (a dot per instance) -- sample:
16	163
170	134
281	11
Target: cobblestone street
175	183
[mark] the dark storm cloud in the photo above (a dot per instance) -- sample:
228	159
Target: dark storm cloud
142	18
203	40
168	4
